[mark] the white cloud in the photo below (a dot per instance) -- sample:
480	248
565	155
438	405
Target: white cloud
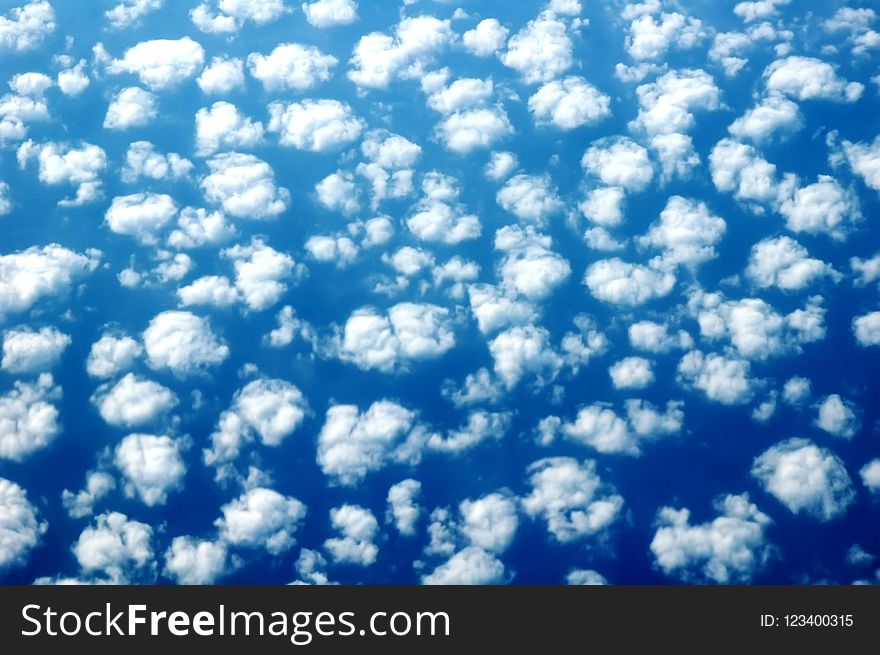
480	426
823	207
439	217
540	51
403	510
28	419
262	518
133	401
328	13
223	126
29	351
758	10
464	131
631	373
796	390
410	331
183	343
30	84
358	528
731	548
81	504
338	192
530	198
687	232
291	67
866	271
260	273
140	215
118	547
727	50
783	262
190	561
775	114
865	161
231	15
461	94
112	354
738	168
314	125
666	105
569	103
129	13
352	444
25	27
655	337
20	525
870	474
495	309
131	107
807	78
599	427
604	206
73	81
490	522
583	577
142	160
223	75
524	351
621	283
30	276
619	161
152	466
530	268
378	59
5	201
244	186
338	249
211	290
266	409
571	497
866	329
197	228
838	417
470	566
486	39
162	63
64	164
805	478
501	165
649	39
722	379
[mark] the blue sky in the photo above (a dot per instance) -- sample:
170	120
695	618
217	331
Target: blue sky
438	292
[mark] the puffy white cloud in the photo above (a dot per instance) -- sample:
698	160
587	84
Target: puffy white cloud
619	161
796	390
260	273
390	151
197	228
585	577
524	351
29	351
25	27
73	81
865	161
858	23
410	261
762	122
604	206
722	379
161	63
211	290
378	59
5	201
530	268
314	125
142	160
403	510
193	561
39	273
129	13
655	337
221	76
28	419
151	465
501	165
410	331
486	39
461	94
838	417
530	198
173	268
266	409
223	126
327	13
738	168
760	9
731	548
687	232
339	249
112	354
358	528
262	518
490	522
478	388
118	547
866	271
666	105
540	51
807	78
599	427
823	207
133	401
783	262
30	84
569	103
480	427
352	444
494	309
870	474
470	566
439	217
65	164
140	215
338	192
647	422
571	497
231	15
649	38
244	186
291	67
805	478
727	50
183	343
618	282
866	329
631	373
81	504
464	131
131	107
20	525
